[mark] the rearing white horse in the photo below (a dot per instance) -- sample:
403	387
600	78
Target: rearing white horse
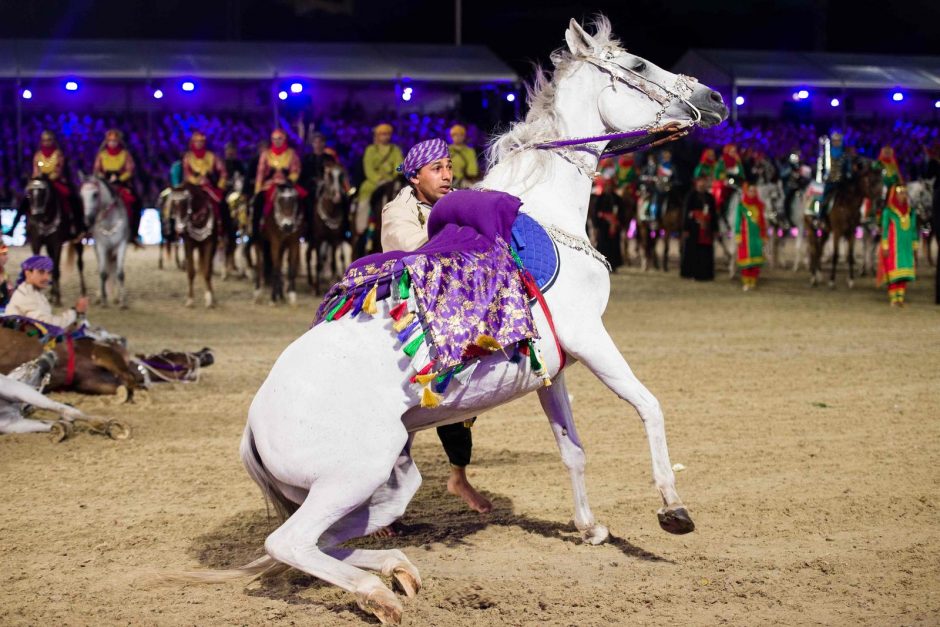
329	432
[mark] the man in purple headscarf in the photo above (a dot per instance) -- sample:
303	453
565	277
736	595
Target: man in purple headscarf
429	172
28	300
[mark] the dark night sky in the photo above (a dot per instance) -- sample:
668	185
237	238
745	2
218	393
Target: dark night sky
519	32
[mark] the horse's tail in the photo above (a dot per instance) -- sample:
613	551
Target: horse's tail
256	470
264	565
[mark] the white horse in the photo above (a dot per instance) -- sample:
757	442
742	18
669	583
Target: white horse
107	219
22	388
329	431
921	194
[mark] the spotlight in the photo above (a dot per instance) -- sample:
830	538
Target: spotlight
897	96
406	95
936	104
834	102
296	88
739	100
71	86
282	95
510	97
803	94
28	95
157	94
188	86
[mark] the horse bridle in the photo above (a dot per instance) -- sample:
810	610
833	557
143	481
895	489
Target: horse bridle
185	221
44	229
649	135
98	183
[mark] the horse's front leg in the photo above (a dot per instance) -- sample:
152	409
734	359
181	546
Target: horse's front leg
188	247
101	252
293	263
592	345
55	251
80	262
850	257
206	256
119	270
557	407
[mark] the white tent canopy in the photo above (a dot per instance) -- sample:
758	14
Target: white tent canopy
119	59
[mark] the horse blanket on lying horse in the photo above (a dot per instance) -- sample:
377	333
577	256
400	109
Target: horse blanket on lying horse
461	296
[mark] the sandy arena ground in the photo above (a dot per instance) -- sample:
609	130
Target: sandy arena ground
808	420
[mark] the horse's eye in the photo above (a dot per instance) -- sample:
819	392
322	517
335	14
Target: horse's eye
640	67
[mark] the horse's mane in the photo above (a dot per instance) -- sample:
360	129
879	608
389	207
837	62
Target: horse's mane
541	122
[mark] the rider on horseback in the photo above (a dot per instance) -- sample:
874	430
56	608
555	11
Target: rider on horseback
464	158
115	165
404	227
379	164
278	165
837	170
202	168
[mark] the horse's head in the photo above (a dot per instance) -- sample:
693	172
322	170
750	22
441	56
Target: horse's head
39	193
332	186
628	91
179	206
94	194
286	203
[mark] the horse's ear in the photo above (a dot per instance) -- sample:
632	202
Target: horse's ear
580	43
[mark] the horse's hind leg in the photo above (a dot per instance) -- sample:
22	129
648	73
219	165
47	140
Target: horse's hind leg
102	254
190	270
119	272
206	255
835	260
293	265
850	257
557	407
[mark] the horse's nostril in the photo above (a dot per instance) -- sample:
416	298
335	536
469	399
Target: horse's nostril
715	96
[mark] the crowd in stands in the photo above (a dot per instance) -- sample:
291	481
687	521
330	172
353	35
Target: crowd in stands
158	141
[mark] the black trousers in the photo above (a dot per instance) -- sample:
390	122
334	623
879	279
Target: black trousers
458	443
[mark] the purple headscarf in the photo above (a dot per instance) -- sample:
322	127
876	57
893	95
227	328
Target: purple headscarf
36	262
422	154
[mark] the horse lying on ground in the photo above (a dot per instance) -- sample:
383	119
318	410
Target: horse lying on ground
21	393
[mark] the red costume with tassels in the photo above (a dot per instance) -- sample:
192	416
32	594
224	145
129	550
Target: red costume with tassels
279	164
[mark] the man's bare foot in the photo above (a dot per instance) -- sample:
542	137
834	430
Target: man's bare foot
458	485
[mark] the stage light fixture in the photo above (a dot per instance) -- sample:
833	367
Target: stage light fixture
157	94
803	94
897	96
510	97
282	95
834	102
71	86
27	94
739	100
188	86
296	88
936	104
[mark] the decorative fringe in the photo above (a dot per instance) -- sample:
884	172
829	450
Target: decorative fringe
429	399
404	285
488	342
398	311
421	357
406	333
413	345
333	311
423	371
463	377
403	322
424	379
357	306
343	310
444	380
538	365
368	305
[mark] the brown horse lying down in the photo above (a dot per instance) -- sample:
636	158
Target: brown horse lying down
102	367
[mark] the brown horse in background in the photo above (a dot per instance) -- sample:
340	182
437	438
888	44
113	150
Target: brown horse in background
327	236
370	241
281	230
842	221
191	209
48	225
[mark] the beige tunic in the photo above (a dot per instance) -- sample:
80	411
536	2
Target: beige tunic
405	222
29	302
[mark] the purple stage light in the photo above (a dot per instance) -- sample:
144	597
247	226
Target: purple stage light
26	94
510	97
834	102
897	96
739	100
188	86
157	94
296	88
407	93
282	95
71	86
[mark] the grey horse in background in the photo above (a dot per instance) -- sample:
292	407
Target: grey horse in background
106	216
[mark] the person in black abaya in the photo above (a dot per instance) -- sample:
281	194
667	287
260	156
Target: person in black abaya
698	231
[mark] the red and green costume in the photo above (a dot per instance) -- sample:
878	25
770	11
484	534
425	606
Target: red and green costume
749	229
707	165
898	241
626	175
888	164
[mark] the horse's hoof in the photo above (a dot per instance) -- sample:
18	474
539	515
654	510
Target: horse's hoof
292	298
257	297
210	300
142	397
60	430
851	283
595	534
675	520
188	303
121	395
406	578
117	430
383	603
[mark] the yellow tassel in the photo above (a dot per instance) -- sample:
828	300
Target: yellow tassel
429	399
402	324
488	342
368	305
424	379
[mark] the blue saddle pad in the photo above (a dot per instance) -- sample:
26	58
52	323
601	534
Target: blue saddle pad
536	249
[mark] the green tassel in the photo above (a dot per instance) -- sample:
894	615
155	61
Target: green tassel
404	285
333	311
533	357
516	258
412	347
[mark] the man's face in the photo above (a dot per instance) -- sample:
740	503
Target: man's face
383	137
459	137
318	145
39	279
433	180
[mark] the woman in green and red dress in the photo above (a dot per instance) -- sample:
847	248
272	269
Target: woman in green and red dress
706	167
898	243
750	228
888	164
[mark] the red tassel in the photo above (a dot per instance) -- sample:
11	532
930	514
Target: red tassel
472	351
342	310
399	310
423	371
